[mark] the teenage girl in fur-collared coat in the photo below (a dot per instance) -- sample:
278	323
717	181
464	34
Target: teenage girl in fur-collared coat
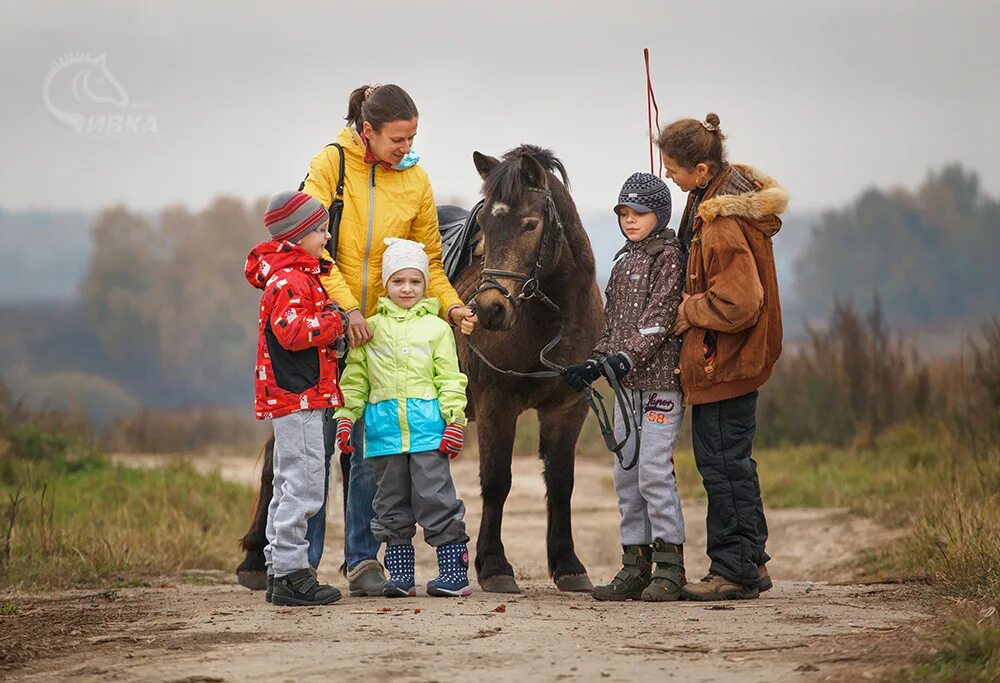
730	318
643	294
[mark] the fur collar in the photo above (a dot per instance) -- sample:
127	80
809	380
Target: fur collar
745	193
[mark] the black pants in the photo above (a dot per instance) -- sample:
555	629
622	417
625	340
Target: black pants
737	531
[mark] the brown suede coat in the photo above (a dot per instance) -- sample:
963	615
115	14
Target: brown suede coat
735	314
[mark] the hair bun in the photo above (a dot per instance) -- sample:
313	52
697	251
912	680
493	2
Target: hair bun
712	119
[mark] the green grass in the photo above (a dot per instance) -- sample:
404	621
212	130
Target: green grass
81	519
970	653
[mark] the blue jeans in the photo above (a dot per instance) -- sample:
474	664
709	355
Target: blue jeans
359	542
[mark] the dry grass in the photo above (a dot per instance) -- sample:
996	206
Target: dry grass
68	516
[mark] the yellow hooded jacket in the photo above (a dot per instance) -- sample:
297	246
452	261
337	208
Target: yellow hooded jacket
378	203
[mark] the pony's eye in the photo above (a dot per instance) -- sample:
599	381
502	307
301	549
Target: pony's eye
531	224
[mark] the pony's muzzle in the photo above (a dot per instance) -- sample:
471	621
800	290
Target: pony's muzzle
494	310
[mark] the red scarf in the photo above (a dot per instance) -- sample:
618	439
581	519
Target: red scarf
369	157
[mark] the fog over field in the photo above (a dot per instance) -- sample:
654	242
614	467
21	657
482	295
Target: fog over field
234	98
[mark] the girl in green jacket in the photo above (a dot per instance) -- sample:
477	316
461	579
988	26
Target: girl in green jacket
407	384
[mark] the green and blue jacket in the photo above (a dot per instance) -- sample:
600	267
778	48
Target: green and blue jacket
405	381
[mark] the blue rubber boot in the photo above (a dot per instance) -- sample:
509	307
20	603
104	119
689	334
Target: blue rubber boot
399	562
453	572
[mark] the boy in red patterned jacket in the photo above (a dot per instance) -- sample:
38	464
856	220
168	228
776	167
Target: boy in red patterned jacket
295	381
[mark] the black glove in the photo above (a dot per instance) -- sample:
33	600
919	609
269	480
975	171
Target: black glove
579	376
340	345
619	365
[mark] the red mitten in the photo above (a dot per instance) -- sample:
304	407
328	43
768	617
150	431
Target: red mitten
344	435
452	440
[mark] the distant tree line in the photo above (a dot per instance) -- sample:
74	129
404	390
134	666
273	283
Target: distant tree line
932	255
169	303
166	318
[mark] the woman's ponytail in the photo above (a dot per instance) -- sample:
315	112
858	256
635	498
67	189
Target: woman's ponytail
354	103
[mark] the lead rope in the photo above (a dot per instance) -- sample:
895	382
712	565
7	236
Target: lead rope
650	108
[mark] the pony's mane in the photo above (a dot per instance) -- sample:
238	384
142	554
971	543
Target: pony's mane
506	182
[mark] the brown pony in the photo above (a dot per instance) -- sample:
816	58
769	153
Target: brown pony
539	279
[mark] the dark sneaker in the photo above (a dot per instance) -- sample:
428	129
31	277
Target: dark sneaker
715	587
764	582
452	580
301	589
366	579
270	588
635	575
668	579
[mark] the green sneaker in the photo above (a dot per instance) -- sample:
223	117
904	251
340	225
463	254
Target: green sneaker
668	579
635	575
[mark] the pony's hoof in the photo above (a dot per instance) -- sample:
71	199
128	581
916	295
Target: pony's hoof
255	580
574	583
502	583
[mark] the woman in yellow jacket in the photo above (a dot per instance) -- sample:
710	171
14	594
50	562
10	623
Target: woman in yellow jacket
385	195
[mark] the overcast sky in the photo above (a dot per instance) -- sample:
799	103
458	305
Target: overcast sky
829	97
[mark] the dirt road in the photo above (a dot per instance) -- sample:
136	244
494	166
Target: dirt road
208	629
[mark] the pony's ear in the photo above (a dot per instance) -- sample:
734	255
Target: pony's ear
484	163
533	172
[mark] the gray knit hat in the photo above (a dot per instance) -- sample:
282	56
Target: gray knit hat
644	193
293	215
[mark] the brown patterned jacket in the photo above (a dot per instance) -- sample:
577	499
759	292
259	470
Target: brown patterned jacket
642	298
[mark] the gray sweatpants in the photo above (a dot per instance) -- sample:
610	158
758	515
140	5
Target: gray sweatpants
416	488
648	501
299	485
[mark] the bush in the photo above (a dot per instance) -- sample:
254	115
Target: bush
844	386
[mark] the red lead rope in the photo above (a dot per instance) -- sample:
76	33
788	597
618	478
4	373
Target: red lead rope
650	108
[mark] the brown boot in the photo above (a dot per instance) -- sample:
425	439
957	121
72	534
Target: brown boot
764	582
715	587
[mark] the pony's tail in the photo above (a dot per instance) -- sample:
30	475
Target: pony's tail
258	513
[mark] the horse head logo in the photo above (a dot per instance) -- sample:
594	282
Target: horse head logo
79	84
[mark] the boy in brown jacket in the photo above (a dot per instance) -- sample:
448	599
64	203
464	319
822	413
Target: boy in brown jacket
642	353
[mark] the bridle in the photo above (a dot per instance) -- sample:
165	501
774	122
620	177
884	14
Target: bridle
552	229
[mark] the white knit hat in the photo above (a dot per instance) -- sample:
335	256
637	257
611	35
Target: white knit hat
402	254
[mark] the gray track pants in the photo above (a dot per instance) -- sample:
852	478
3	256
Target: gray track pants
416	488
648	501
299	486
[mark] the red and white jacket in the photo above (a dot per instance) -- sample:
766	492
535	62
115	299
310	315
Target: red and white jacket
296	366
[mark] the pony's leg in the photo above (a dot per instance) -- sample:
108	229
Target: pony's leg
251	572
496	441
560	428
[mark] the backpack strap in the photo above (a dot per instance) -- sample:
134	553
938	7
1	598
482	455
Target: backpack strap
336	207
339	192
